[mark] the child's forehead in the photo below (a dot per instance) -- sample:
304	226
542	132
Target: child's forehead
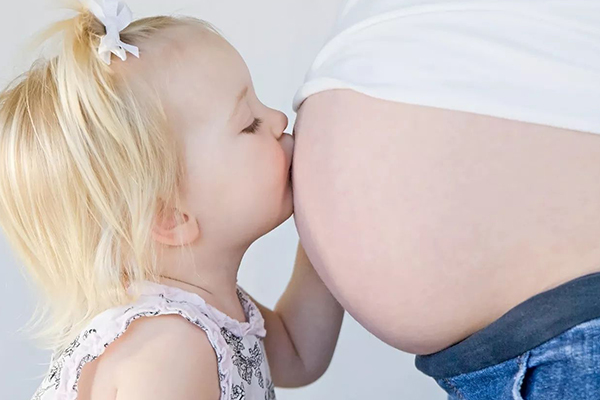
193	69
192	55
190	39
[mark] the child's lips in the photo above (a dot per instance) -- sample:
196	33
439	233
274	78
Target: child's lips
287	143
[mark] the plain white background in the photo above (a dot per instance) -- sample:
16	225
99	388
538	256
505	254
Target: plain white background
278	39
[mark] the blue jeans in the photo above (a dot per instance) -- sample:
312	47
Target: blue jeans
564	368
546	348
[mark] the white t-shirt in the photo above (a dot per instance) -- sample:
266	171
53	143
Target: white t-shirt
535	61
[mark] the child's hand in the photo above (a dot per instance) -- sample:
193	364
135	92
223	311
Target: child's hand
303	329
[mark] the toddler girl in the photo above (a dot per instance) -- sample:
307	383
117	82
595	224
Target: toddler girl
131	187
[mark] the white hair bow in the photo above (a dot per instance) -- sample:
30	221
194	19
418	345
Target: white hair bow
116	16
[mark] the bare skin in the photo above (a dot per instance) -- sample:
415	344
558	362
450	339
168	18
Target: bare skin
429	224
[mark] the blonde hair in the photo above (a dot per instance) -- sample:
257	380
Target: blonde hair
86	163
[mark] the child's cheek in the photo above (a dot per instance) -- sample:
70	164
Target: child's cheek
281	169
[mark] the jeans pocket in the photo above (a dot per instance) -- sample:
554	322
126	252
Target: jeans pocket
450	388
505	381
520	378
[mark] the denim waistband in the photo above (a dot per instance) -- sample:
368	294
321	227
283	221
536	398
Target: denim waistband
525	326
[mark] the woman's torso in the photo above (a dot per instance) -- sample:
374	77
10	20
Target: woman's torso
428	224
243	369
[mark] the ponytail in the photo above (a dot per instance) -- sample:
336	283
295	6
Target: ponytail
86	162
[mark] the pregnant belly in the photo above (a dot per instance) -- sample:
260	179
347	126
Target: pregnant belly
429	224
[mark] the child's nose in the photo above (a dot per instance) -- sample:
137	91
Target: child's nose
280	122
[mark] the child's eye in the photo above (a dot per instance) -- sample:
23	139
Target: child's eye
254	126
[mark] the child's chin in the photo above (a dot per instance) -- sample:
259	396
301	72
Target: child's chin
287	210
279	213
291	212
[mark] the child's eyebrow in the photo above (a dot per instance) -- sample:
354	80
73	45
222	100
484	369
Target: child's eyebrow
239	99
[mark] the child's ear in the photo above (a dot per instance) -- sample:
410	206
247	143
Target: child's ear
170	231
